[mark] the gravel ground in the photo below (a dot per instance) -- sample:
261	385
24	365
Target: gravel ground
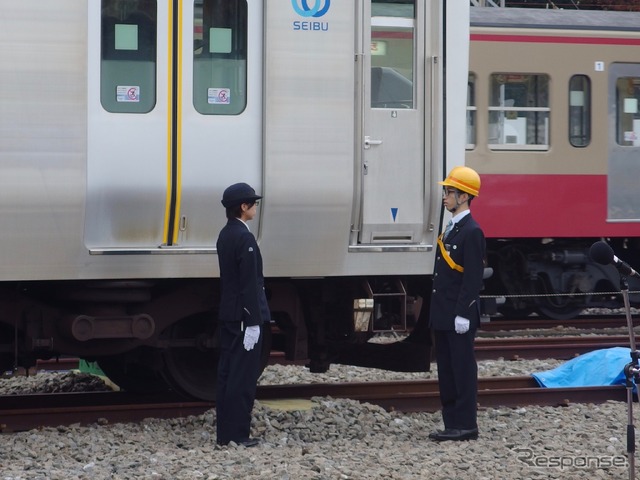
326	439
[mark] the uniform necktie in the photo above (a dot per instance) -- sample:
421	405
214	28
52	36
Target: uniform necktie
447	230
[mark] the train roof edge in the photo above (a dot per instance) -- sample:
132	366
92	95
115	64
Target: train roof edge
556	19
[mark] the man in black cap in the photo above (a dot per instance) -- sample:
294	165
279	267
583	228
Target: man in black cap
243	311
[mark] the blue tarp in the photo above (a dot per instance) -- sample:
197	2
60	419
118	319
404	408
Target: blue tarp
597	368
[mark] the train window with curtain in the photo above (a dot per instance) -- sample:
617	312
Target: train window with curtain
628	111
580	111
220	56
471	112
518	111
128	55
392	53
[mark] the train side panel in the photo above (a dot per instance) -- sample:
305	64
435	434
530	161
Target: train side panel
538	183
139	197
42	138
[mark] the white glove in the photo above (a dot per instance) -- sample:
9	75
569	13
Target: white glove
462	324
251	336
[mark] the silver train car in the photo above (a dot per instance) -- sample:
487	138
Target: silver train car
122	122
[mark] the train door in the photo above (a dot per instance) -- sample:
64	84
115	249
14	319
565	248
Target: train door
174	116
394	143
624	142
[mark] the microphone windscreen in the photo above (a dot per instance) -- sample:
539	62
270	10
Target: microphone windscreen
600	252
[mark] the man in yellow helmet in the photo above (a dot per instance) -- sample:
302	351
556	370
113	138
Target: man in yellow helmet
455	307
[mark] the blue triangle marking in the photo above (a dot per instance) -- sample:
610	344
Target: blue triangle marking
394	213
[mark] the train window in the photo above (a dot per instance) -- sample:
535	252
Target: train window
128	51
519	111
392	53
628	111
220	56
580	111
471	112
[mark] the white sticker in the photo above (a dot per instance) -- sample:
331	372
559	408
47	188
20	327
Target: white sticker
220	96
599	67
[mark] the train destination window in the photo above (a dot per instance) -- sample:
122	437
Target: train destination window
471	112
392	53
628	111
128	56
220	56
519	111
580	111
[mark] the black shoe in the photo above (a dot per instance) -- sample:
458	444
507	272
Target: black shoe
250	442
455	435
434	435
247	442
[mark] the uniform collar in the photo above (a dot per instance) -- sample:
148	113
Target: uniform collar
242	222
459	216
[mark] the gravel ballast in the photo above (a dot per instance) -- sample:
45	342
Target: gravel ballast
331	439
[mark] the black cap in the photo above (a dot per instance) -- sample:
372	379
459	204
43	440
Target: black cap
237	194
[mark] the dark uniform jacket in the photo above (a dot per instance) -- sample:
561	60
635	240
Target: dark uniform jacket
243	298
455	293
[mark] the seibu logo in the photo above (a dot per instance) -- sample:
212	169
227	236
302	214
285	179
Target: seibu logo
317	10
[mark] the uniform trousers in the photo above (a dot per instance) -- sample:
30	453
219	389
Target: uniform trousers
238	372
457	378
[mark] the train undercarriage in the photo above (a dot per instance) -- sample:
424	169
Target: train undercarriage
555	278
158	335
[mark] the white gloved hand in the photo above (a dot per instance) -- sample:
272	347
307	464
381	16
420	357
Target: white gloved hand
251	336
462	324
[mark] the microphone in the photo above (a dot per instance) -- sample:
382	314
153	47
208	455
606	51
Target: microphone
600	252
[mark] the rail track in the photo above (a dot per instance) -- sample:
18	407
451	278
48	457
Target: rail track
558	347
26	412
582	322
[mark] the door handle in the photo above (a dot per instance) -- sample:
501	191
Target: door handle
368	142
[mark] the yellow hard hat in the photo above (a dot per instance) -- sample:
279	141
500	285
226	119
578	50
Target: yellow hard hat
465	179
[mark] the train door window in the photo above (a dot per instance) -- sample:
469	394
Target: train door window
392	54
220	56
519	111
628	111
471	112
128	50
580	111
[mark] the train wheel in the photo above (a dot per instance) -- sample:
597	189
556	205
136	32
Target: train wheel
134	372
192	370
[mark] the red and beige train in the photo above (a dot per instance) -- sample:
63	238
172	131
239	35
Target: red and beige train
553	128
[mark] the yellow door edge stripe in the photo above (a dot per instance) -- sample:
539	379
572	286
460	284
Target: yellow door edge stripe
167	213
178	139
174	137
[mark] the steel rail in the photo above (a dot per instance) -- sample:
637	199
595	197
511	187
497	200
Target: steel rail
559	347
26	412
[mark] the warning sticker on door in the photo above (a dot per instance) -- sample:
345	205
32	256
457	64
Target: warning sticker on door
220	96
127	93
